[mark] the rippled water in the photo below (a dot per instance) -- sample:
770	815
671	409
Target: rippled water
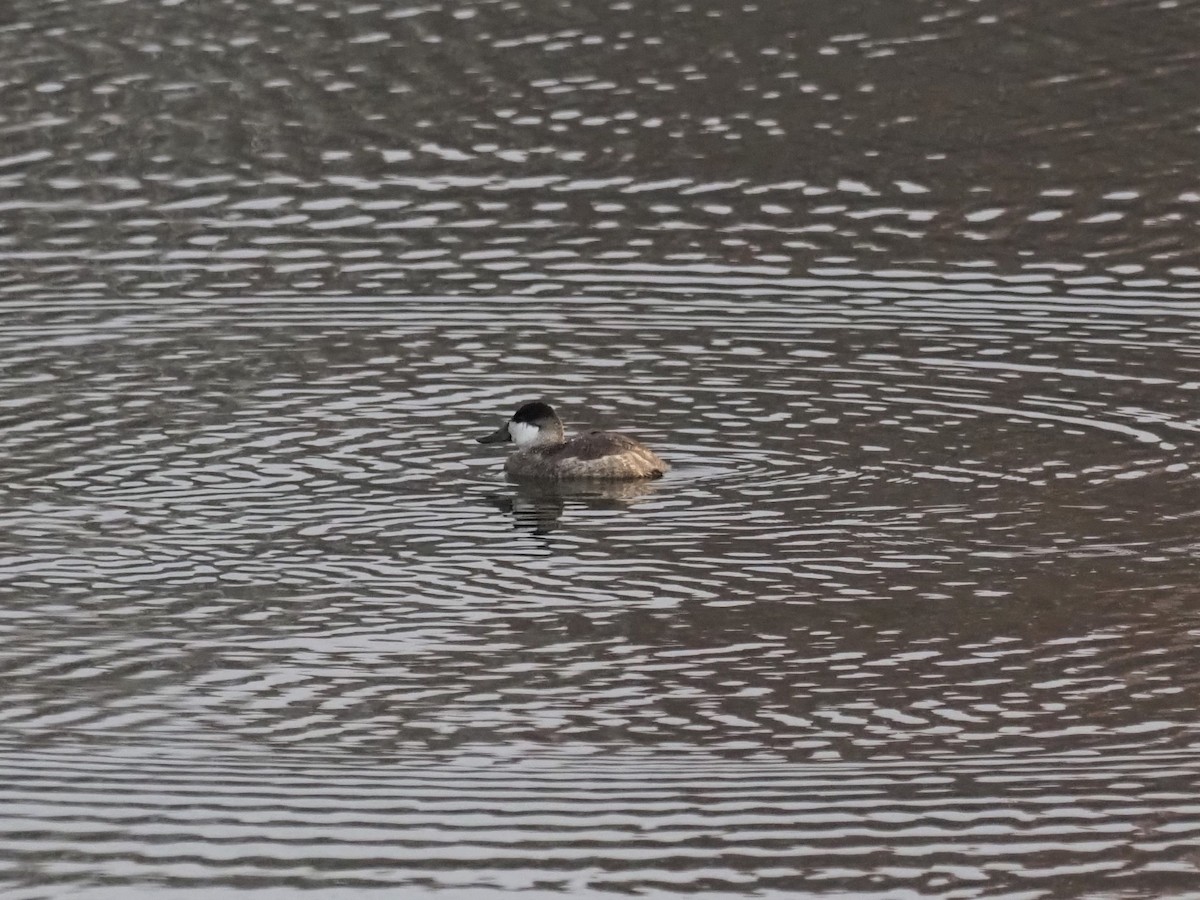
906	293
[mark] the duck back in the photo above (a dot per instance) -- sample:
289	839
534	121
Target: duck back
597	454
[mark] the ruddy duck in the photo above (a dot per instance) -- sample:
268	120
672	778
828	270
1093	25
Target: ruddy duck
543	454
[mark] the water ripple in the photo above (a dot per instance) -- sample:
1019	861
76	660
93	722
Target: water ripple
914	610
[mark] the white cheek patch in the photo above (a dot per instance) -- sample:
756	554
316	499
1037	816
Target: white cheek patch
523	433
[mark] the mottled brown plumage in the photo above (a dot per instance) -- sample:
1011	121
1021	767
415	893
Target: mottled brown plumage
544	454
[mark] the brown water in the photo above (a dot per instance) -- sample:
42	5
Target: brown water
906	292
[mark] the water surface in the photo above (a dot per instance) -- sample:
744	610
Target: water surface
906	293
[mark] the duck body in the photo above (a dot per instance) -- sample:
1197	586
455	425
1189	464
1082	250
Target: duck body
597	454
544	453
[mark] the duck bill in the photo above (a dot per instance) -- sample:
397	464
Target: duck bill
498	438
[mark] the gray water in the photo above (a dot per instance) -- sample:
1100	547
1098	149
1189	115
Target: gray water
906	292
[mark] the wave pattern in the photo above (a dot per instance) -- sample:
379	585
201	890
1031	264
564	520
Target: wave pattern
183	149
248	525
907	293
548	827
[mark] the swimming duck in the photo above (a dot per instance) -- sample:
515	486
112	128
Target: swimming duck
543	454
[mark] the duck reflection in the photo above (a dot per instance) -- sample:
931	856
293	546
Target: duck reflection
540	507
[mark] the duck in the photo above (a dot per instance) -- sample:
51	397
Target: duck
544	453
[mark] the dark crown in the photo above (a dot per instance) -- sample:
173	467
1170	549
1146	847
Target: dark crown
534	413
